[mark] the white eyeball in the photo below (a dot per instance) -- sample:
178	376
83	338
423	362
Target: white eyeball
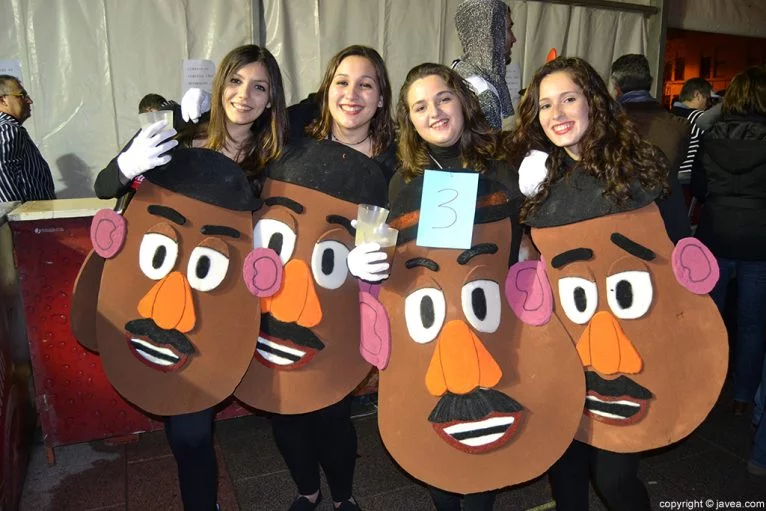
629	293
157	255
207	268
276	235
328	263
424	312
579	298
481	305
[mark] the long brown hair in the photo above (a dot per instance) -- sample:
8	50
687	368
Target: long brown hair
478	142
269	131
746	95
611	148
381	124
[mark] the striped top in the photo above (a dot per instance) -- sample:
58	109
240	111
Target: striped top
694	141
24	174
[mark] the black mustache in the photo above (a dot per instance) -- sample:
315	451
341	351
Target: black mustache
622	386
148	328
473	406
290	332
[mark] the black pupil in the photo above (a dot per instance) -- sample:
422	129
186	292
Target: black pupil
275	242
328	261
479	303
203	267
581	301
624	294
427	311
159	257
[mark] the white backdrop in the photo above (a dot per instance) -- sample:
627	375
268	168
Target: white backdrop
87	63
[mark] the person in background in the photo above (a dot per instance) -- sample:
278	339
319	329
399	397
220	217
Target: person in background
632	80
248	124
151	103
485	29
693	101
732	185
24	173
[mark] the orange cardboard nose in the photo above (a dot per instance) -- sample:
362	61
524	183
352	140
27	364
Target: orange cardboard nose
169	303
297	300
460	362
605	347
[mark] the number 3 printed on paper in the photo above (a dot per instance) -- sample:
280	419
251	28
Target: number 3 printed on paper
447	209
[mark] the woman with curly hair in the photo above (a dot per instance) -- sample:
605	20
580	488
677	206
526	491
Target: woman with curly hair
442	127
567	112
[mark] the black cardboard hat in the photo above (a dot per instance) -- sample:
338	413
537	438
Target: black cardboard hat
333	169
493	203
579	196
207	176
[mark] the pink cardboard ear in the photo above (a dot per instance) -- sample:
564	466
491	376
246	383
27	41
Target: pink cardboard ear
262	272
694	266
369	287
375	338
108	232
529	293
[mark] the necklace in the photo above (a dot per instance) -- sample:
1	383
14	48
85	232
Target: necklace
435	161
333	137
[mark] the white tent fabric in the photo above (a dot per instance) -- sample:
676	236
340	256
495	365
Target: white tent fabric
735	17
86	63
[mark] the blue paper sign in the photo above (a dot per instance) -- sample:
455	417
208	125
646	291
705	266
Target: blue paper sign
447	209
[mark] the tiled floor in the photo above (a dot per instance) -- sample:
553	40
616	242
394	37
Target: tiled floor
710	464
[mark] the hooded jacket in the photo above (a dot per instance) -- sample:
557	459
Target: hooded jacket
732	184
481	28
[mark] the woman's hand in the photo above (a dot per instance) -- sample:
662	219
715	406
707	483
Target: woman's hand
147	150
194	103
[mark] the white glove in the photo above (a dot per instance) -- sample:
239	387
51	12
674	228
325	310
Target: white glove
532	172
146	150
194	103
364	262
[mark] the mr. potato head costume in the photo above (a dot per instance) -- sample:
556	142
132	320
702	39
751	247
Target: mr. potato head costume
169	295
651	341
470	398
307	356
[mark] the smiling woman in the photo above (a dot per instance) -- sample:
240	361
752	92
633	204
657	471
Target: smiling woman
248	125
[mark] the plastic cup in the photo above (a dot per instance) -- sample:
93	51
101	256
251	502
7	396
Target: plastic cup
368	218
385	236
147	118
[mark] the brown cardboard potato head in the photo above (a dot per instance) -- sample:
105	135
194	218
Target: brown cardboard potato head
651	341
470	398
175	316
307	356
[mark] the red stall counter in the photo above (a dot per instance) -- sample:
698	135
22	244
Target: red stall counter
74	399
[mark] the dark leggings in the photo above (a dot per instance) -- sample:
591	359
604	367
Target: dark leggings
615	476
191	439
324	437
447	501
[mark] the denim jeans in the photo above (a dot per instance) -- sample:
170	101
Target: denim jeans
759	441
751	321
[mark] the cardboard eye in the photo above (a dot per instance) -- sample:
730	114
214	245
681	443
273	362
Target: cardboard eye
276	235
424	312
328	263
579	298
157	255
207	268
629	293
481	305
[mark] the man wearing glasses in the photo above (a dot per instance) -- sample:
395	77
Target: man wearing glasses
24	174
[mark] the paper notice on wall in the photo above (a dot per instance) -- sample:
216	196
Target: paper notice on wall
513	80
11	67
198	74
